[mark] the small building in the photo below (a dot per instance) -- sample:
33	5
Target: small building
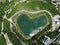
56	22
47	40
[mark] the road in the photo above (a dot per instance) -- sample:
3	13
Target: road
5	35
32	12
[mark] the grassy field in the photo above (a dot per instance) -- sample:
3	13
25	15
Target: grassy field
14	39
3	1
6	26
2	9
0	26
56	43
2	40
12	36
32	6
53	35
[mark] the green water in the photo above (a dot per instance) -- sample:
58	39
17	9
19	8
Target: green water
27	25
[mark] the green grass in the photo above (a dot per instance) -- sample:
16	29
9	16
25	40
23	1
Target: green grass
2	9
6	26
14	39
0	26
11	36
53	35
32	6
3	1
56	43
2	40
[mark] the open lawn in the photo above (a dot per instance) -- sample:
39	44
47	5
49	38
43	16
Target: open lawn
2	40
0	26
14	39
53	35
6	26
32	6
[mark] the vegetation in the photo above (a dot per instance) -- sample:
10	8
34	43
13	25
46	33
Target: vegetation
53	35
8	5
6	26
2	40
0	26
32	6
38	35
35	37
14	39
22	38
56	44
2	9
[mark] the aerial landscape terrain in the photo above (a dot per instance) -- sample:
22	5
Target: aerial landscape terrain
29	22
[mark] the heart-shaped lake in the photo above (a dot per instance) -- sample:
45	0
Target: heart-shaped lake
28	25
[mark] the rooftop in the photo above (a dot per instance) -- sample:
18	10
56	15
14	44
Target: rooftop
47	40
